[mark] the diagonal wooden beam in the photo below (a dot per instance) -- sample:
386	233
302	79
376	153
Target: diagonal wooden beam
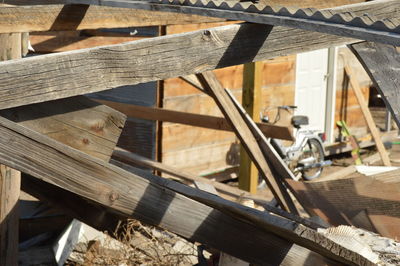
210	84
79	72
367	115
382	63
162	202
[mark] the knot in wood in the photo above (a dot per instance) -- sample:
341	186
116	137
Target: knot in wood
113	196
207	33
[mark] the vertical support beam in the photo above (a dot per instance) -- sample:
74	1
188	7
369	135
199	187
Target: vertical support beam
331	95
162	30
368	117
251	101
10	179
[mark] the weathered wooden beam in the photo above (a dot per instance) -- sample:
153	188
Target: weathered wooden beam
382	63
10	179
197	120
67	74
161	202
79	122
126	156
368	117
326	21
213	87
223	189
251	101
80	17
59	43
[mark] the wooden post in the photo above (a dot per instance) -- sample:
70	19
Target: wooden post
368	117
10	179
162	30
251	101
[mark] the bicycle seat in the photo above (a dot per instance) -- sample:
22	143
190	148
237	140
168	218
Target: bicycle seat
299	120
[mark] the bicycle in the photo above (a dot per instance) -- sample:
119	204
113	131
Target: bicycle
306	156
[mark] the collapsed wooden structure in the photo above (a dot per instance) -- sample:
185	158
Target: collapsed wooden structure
62	143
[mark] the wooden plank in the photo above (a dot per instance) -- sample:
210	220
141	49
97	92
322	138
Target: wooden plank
328	21
214	88
161	202
340	201
368	117
102	68
305	3
126	156
78	122
223	189
59	43
10	179
79	17
9	218
347	171
197	120
382	65
251	101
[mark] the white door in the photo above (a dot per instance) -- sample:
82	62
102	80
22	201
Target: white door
310	90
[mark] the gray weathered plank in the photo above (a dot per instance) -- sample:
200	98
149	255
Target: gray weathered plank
159	201
223	189
49	77
382	63
77	121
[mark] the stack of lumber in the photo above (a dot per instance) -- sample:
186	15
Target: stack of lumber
62	142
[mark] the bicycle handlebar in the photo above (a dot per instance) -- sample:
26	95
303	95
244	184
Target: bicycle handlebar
287	107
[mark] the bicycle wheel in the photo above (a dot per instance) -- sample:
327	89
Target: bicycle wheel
313	153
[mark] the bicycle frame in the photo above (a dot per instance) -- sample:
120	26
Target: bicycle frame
294	151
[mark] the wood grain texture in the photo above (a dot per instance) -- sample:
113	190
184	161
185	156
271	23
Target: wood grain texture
382	63
59	43
10	179
341	24
368	117
251	101
339	201
78	17
224	189
77	122
205	121
72	73
212	86
160	202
